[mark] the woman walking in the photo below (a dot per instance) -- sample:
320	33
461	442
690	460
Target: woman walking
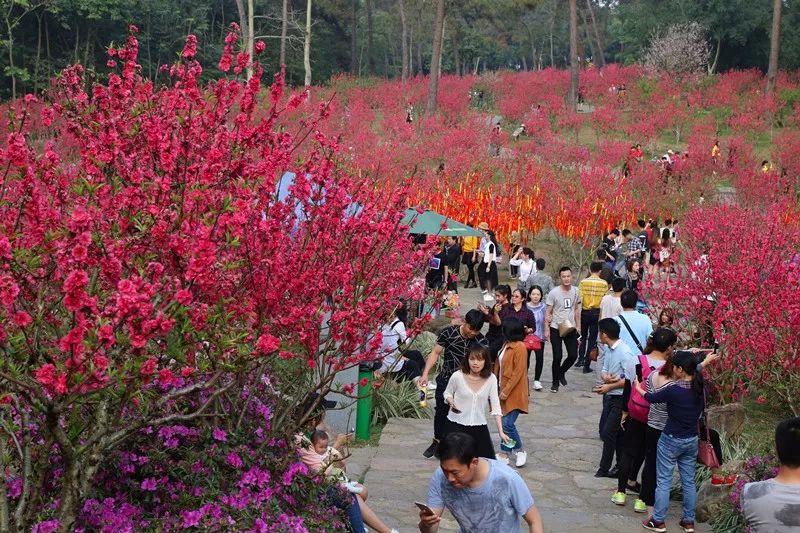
469	391
512	376
537	307
487	267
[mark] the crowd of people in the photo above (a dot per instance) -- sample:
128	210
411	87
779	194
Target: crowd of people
653	395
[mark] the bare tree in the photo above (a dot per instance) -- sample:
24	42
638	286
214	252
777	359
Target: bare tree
284	29
436	57
246	20
774	45
681	49
599	53
307	45
572	97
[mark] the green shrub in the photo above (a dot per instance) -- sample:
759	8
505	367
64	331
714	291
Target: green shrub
396	399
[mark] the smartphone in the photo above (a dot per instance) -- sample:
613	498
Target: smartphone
424	508
456	411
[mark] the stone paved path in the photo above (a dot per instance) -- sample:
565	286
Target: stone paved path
561	436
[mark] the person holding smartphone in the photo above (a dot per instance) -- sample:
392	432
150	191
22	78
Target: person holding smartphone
481	494
468	393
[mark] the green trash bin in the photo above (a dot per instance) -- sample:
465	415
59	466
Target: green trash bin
364	403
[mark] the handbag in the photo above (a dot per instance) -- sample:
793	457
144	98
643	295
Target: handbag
706	454
532	342
565	328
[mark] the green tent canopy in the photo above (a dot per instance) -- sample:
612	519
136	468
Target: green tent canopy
431	222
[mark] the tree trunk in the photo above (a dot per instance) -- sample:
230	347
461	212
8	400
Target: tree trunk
354	40
370	50
10	45
307	45
411	51
284	31
456	54
38	52
601	58
552	23
713	67
774	45
572	97
404	40
246	24
436	57
585	27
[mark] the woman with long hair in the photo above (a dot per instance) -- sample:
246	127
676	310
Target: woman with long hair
679	440
512	377
664	253
537	307
487	268
633	274
469	392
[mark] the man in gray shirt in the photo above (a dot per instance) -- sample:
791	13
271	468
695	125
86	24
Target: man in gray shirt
773	506
484	495
540	278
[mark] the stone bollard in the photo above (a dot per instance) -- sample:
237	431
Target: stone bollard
711	499
727	419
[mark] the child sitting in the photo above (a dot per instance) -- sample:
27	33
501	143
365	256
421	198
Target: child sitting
319	456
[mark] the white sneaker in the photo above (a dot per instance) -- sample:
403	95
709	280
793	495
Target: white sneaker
502	459
522	457
537	385
483	292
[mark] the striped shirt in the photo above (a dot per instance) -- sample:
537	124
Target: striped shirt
657	416
592	291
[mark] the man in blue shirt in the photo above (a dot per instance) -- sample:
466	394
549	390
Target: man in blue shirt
632	321
618	356
482	494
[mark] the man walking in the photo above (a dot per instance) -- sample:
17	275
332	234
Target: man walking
635	327
453	345
562	322
592	290
482	494
617	357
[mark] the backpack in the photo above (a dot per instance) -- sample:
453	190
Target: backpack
638	407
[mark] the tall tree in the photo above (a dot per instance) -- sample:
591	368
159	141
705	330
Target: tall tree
403	39
354	39
599	51
246	20
572	97
370	49
436	57
774	45
307	46
284	29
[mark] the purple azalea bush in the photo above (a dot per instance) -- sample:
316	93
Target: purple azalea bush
218	473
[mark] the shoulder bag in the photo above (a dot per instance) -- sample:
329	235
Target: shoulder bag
633	336
706	454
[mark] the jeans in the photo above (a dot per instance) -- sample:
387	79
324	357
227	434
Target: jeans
589	320
571	342
611	431
510	429
683	452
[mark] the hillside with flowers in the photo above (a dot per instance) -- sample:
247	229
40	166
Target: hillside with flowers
154	280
